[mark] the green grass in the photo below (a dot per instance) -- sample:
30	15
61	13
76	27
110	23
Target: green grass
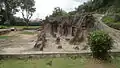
111	22
108	19
19	27
42	63
26	32
26	26
4	37
3	27
56	63
116	61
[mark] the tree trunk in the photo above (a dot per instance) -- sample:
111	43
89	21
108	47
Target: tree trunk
6	10
27	24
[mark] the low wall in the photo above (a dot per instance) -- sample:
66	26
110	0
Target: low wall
51	55
4	31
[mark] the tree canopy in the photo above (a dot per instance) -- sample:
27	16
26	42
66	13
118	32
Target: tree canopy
27	7
98	5
59	12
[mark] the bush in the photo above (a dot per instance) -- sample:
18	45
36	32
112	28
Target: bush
100	44
108	19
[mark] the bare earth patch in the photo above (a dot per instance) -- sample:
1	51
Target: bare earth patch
24	43
17	43
20	43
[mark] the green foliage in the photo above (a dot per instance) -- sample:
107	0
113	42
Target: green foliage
100	43
72	13
3	27
11	7
90	6
59	12
4	37
112	18
27	7
99	6
112	21
86	7
28	33
108	19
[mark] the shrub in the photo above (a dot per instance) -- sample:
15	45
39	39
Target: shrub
108	19
100	44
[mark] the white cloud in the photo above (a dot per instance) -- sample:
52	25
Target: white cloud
81	0
45	7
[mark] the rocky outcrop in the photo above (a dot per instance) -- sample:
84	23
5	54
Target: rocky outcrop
75	27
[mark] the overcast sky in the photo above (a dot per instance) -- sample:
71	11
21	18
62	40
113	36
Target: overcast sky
45	7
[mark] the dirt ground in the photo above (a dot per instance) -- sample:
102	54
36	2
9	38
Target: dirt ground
17	42
21	42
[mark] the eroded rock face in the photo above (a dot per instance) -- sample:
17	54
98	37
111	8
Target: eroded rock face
59	47
41	41
58	40
76	27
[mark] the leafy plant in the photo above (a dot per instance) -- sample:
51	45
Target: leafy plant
3	27
108	19
100	44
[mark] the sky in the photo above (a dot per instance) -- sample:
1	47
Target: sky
45	7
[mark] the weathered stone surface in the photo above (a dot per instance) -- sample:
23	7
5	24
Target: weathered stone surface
75	27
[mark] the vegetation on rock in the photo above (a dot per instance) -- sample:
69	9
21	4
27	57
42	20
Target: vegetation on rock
112	20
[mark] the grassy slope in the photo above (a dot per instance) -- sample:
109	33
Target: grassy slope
111	22
56	63
42	63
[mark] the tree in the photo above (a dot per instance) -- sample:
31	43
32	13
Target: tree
10	8
97	5
86	7
72	13
2	16
27	9
59	12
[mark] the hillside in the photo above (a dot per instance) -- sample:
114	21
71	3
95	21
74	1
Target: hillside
98	6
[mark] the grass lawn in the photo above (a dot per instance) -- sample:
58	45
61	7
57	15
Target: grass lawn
20	27
26	26
4	37
28	33
43	63
51	63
